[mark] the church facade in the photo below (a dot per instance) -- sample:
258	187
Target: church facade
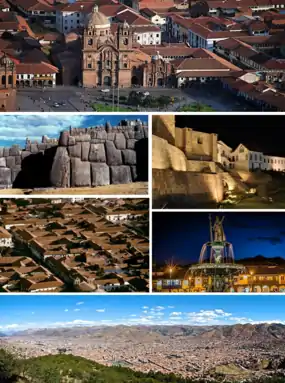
114	59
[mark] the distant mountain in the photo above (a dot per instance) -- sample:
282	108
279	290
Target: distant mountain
249	332
261	260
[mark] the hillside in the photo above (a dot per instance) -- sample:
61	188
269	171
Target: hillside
247	332
73	369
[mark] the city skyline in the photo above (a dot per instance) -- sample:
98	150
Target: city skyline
180	236
34	312
14	129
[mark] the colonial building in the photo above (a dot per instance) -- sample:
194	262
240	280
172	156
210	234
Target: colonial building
256	279
106	56
242	158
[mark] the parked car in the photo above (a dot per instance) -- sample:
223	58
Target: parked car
105	90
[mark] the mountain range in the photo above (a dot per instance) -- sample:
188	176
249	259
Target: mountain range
250	332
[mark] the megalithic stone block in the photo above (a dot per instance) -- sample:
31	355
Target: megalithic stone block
97	153
5	177
100	174
129	157
60	172
2	162
80	173
85	149
114	156
63	138
120	174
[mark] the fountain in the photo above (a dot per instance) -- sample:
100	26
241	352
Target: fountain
216	268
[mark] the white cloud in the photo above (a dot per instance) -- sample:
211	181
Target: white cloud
175	313
33	313
76	310
215	316
145	307
79	303
170	307
66	310
145	311
35	126
100	310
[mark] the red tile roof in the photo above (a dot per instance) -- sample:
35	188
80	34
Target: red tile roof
36	68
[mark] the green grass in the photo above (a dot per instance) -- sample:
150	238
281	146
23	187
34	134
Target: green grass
196	107
109	108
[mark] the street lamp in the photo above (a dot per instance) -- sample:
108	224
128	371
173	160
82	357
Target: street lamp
170	272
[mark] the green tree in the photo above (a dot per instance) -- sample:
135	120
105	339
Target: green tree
8	365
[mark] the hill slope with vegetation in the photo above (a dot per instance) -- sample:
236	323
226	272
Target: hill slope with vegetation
63	368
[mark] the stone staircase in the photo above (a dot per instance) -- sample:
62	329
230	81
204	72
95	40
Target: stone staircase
232	177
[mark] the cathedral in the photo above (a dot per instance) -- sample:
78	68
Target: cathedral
112	57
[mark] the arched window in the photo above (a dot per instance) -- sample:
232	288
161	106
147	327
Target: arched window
90	42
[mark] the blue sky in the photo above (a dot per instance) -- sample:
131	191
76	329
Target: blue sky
18	312
15	128
181	236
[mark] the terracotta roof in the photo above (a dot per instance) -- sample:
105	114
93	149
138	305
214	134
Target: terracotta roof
206	33
177	50
144	29
156	4
36	68
111	10
148	12
208	73
133	18
4	233
34	5
45	285
245	50
78	6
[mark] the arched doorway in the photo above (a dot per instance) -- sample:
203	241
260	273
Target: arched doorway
107	81
159	82
135	80
265	289
257	289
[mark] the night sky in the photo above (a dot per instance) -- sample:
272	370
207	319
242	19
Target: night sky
181	235
257	132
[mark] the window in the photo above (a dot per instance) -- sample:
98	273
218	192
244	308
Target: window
157	35
241	149
139	37
90	41
125	65
89	66
200	140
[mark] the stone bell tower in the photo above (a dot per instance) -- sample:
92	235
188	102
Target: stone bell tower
125	36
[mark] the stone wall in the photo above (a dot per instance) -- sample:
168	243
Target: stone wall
163	126
173	189
82	157
166	156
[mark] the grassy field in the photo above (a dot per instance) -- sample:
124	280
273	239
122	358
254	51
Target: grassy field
109	108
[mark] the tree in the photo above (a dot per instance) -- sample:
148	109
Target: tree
8	365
